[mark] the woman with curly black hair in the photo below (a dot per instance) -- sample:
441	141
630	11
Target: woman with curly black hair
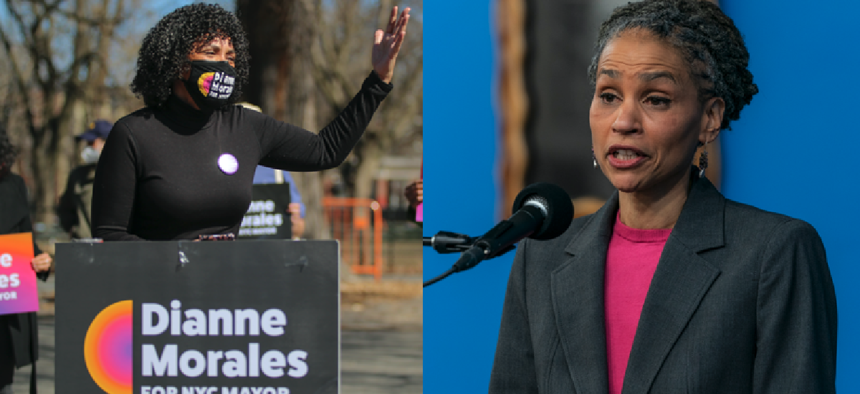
18	335
669	287
183	166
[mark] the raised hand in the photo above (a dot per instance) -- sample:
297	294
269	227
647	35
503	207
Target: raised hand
386	44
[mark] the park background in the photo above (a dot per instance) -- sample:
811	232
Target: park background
67	63
791	152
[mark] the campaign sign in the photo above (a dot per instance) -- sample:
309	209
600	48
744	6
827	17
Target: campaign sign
18	290
267	216
256	317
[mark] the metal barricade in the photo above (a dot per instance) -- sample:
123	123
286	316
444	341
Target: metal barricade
358	224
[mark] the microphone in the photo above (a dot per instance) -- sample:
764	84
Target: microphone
541	211
448	242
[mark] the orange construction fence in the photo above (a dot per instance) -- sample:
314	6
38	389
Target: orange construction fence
357	223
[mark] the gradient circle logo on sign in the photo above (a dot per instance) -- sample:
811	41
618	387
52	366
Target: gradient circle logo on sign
108	348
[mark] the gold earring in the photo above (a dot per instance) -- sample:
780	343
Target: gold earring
703	160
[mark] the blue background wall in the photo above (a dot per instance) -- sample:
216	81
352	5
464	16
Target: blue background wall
792	152
462	312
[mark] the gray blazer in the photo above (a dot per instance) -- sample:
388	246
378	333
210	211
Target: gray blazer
741	302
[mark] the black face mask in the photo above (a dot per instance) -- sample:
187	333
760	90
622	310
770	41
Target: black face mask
210	83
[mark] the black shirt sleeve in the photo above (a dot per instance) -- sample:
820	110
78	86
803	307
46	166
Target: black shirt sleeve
115	187
288	147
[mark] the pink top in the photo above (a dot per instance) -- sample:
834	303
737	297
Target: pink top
631	260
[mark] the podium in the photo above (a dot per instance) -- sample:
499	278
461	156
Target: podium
177	317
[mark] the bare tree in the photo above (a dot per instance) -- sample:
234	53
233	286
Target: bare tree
279	33
341	59
309	58
57	59
302	104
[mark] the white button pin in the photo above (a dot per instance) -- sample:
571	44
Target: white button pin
228	163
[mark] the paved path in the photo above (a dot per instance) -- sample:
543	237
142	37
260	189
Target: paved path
382	362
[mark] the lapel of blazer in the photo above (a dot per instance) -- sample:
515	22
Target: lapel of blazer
577	299
680	282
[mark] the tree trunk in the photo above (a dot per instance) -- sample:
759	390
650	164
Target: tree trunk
310	183
281	82
55	91
371	154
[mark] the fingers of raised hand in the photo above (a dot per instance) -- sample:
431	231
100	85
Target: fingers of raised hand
392	21
400	33
402	22
396	28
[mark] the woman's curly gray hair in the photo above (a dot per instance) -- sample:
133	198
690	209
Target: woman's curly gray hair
706	37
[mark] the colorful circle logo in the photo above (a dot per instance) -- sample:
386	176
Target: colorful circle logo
108	348
205	82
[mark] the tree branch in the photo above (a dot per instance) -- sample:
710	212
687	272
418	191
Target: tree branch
19	81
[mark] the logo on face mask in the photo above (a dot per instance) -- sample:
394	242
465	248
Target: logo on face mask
205	83
215	85
211	83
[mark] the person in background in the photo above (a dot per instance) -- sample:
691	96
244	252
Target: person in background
75	203
265	175
18	334
414	193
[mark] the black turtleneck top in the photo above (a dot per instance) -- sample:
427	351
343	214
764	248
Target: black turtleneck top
158	176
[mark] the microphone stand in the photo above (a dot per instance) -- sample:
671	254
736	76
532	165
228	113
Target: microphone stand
540	211
448	242
445	242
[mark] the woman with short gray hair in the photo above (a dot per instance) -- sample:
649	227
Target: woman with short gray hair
669	287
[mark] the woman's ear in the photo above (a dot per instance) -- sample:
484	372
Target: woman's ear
712	119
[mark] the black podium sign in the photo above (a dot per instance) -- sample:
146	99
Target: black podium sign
256	317
267	216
